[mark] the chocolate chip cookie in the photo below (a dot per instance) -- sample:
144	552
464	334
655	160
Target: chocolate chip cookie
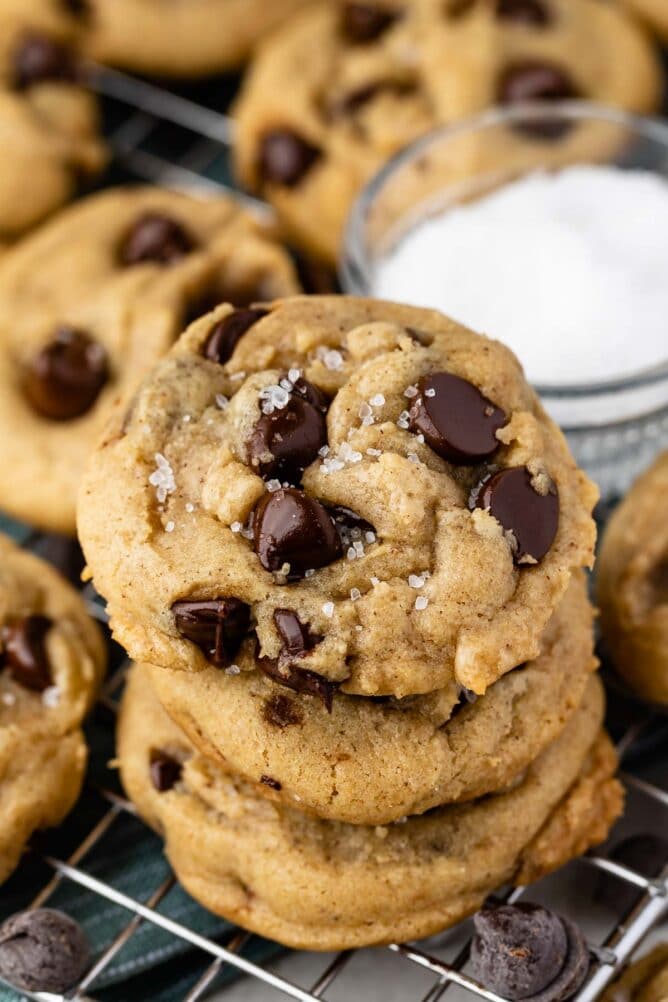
89	303
323	885
188	38
48	121
51	660
367	496
633	585
373	760
375	76
646	980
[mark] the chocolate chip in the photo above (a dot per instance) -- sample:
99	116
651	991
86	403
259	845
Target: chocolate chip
350	526
65	378
226	334
532	518
293	529
24	652
217	626
157	238
301	680
537	81
273	784
286	157
281	711
527	952
297	637
362	22
351	102
534	13
40	58
457	421
285	442
165	771
43	950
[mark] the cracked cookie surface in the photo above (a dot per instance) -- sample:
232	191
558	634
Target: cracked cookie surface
384	567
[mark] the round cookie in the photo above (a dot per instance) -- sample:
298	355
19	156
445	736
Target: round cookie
654	13
49	123
633	585
52	658
369	762
646	980
368	84
386	569
187	39
323	885
89	303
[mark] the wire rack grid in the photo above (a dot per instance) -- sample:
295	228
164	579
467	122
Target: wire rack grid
139	112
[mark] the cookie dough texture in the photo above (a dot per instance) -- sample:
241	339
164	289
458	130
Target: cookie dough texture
71	274
633	585
352	102
646	980
370	763
42	748
186	38
49	125
441	598
323	885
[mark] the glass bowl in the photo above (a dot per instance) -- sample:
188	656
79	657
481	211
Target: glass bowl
616	425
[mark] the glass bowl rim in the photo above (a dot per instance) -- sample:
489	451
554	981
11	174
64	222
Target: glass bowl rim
355	265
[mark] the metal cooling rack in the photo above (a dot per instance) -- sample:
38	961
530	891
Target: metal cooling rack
145	121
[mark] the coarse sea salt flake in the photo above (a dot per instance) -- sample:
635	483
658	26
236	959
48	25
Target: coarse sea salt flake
233	670
410	392
355	594
328	609
162	478
236	526
421	602
331	358
169	527
378	400
51	696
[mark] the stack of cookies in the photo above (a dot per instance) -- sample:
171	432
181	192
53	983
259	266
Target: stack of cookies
346	546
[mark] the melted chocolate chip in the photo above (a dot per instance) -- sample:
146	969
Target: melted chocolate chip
350	526
165	771
157	238
535	81
64	379
457	421
297	637
281	711
273	784
285	157
40	58
226	334
288	440
301	680
293	529
534	13
363	22
217	626
532	518
24	652
349	103
527	952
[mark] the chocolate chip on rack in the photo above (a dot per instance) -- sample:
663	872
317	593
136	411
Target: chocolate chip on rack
534	13
157	238
43	951
532	518
457	421
286	157
24	652
165	771
226	334
294	533
217	626
527	952
65	378
40	58
287	440
363	22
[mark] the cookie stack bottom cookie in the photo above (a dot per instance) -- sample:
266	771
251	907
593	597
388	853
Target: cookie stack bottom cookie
316	884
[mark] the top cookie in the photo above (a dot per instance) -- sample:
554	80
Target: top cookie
189	38
375	76
49	123
371	488
89	303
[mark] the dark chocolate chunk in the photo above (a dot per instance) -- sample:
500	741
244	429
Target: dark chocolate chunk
294	533
40	58
65	378
532	518
457	421
165	771
537	81
157	238
534	13
217	626
527	952
226	334
286	441
273	784
301	680
297	637
281	711
285	157
24	652
364	22
43	951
